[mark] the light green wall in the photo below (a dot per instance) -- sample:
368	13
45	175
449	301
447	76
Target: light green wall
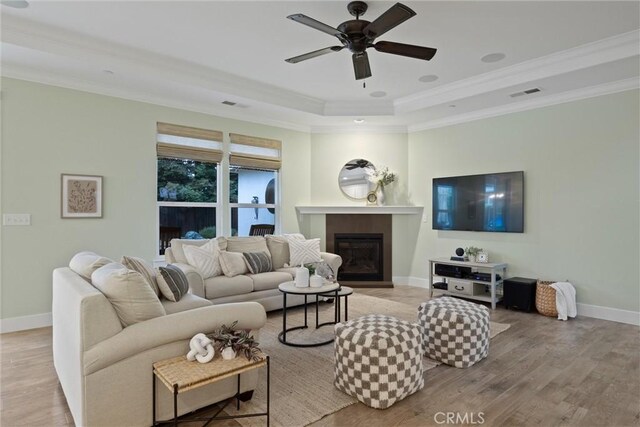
330	151
581	193
47	131
580	161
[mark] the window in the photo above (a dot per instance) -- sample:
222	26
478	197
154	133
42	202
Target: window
253	182
187	183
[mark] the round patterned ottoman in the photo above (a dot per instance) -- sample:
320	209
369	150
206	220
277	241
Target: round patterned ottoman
378	359
455	332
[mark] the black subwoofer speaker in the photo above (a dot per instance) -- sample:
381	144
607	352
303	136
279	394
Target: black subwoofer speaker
520	293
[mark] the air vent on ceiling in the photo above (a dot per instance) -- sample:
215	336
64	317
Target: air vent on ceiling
229	103
525	92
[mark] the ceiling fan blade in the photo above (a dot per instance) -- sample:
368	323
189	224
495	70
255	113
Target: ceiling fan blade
313	54
361	65
310	22
394	16
418	52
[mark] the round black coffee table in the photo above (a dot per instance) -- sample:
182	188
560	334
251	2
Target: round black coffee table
290	288
344	291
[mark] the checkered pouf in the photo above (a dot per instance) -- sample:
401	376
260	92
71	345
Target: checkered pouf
378	359
455	332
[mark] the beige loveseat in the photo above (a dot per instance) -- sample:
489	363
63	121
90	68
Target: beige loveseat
262	287
105	369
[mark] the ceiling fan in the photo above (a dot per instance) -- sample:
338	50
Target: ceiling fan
360	163
357	35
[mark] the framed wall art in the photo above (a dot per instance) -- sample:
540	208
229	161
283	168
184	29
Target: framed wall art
81	196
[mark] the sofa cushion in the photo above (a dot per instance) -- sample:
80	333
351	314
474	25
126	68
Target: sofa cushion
233	264
144	268
173	283
85	263
205	258
177	247
223	286
304	251
247	244
270	280
258	262
187	302
128	292
290	270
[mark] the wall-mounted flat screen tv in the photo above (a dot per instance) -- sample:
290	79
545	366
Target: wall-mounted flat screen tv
490	202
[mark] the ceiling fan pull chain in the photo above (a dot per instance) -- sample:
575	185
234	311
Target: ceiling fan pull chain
364	85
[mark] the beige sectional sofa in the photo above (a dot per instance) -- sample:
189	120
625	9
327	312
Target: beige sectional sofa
105	369
262	287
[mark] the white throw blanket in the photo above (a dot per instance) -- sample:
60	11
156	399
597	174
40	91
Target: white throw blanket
565	300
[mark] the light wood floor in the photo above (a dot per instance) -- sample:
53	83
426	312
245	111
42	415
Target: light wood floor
540	372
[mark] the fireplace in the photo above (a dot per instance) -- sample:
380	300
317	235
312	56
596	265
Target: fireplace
364	243
362	256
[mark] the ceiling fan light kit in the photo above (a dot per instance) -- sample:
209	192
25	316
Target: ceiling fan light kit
357	35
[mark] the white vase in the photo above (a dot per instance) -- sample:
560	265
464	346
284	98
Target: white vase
316	281
302	277
472	258
228	353
380	196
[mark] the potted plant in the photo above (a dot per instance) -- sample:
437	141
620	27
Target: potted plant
472	252
231	342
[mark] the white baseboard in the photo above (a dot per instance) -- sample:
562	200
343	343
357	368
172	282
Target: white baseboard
608	313
14	324
587	310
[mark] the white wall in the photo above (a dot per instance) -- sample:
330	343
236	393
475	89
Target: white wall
47	131
581	193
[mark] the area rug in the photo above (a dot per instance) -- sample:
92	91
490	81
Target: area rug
302	389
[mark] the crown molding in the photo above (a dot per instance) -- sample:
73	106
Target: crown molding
245	115
359	108
543	101
359	129
602	51
124	59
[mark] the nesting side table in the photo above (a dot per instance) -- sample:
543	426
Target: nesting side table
180	375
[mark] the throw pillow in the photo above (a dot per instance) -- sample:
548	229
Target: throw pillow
142	267
233	264
247	244
205	258
85	263
128	292
279	250
172	282
304	251
258	262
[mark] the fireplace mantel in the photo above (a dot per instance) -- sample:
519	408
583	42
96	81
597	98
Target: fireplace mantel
371	210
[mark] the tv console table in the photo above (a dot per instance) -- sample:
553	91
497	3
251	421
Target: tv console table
471	288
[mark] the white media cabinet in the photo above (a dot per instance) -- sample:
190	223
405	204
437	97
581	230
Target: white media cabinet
470	288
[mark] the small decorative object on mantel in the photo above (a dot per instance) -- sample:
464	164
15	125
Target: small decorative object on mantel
201	349
482	257
472	252
381	177
233	341
81	196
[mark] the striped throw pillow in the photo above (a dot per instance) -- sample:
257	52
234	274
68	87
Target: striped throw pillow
258	262
142	267
172	282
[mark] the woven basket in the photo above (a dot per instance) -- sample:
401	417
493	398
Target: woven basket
546	298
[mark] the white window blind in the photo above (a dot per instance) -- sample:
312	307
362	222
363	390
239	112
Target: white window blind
254	152
184	142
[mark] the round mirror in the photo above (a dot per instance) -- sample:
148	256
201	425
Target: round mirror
353	179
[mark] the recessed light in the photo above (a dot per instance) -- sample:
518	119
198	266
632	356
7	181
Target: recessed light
18	4
428	78
493	57
378	94
358	121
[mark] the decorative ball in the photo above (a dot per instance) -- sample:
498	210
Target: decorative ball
459	251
